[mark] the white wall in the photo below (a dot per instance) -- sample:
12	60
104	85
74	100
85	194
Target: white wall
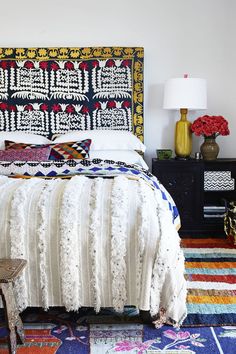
185	36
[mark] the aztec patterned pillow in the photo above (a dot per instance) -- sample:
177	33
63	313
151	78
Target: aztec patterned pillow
40	154
59	151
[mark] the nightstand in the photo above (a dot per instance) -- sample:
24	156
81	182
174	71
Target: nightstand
199	189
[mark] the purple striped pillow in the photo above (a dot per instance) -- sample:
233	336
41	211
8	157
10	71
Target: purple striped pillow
39	154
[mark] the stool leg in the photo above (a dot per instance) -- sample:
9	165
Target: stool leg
12	314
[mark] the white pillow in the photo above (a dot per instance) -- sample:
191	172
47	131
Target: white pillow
127	156
105	139
21	137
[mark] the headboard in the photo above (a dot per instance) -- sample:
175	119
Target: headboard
50	91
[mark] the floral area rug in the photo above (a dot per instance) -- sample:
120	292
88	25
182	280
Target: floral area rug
62	332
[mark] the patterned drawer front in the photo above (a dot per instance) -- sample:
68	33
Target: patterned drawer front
218	181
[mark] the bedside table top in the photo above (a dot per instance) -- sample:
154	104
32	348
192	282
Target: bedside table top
191	160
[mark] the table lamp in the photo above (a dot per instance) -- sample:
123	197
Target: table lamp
184	94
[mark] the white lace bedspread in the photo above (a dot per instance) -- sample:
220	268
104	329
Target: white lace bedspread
92	242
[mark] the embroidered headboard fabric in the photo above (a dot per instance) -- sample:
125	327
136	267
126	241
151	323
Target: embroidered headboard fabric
50	91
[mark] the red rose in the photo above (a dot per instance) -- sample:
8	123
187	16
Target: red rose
210	125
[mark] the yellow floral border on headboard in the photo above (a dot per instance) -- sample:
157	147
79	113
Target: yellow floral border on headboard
136	54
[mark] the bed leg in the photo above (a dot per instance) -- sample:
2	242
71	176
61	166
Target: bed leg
145	316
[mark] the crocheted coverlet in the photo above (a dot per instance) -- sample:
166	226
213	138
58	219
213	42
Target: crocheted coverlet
108	241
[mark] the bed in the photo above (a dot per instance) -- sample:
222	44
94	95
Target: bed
77	200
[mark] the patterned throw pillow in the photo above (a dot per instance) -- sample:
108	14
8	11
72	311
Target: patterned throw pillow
59	151
40	154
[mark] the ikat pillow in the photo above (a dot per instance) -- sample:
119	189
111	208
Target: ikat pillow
40	154
59	151
27	138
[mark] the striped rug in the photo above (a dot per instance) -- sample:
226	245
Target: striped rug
211	280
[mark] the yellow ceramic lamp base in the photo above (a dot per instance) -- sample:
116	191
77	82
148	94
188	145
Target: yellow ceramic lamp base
183	136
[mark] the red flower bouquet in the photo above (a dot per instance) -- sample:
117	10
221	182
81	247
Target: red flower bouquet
210	126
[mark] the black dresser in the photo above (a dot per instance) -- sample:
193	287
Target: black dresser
199	189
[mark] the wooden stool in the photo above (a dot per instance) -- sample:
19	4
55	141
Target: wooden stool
10	269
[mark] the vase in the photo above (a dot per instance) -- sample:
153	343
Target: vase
183	136
209	148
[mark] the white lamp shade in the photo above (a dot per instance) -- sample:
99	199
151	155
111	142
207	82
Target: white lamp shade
187	93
